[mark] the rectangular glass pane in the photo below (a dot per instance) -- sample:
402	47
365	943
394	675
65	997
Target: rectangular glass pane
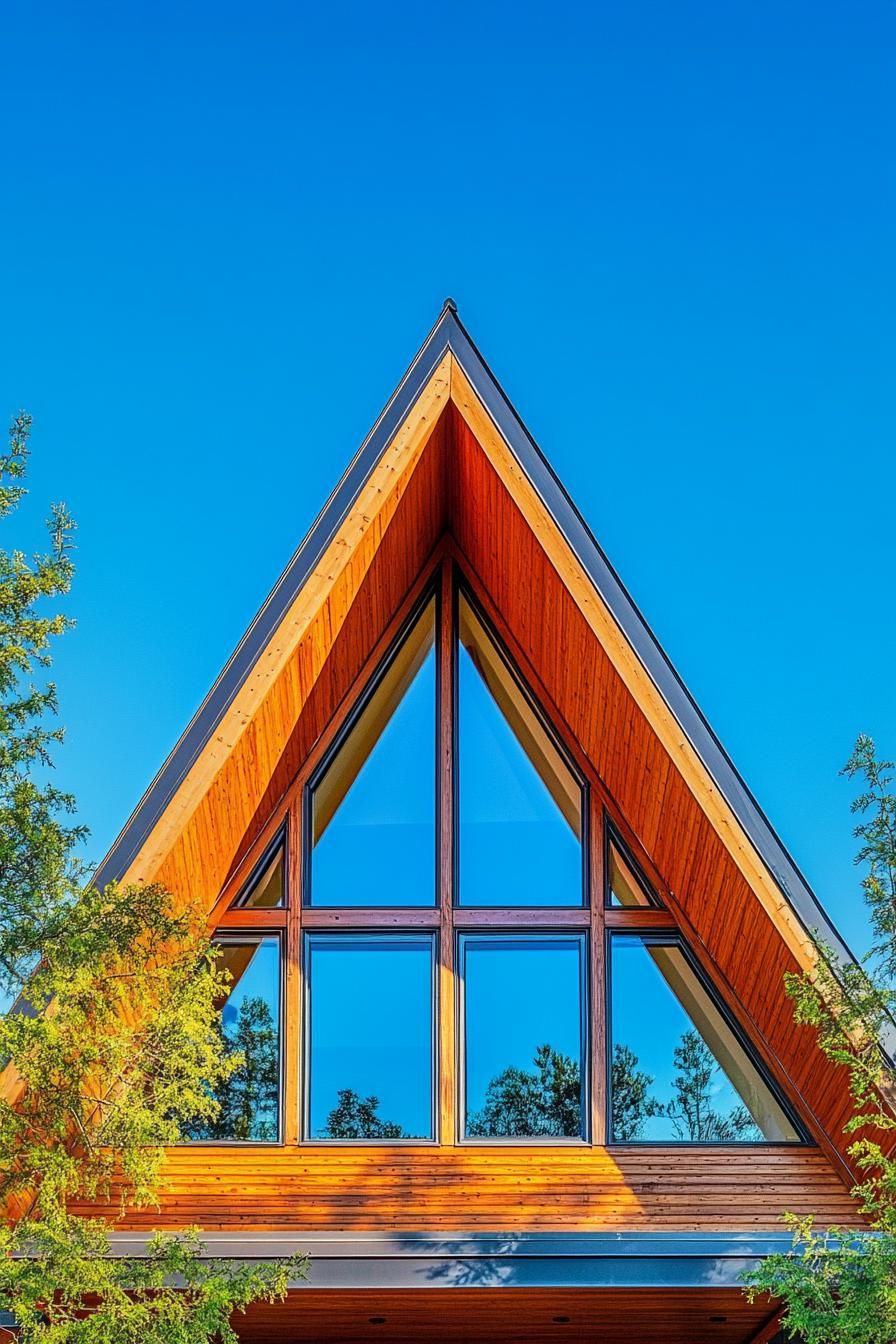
373	811
370	1033
679	1072
249	1098
524	1049
519	803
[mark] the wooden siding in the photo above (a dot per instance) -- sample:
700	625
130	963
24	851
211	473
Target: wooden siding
508	1316
505	1188
453	488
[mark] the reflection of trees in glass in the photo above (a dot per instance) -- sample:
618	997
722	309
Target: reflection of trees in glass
546	1102
630	1093
249	1096
355	1117
692	1114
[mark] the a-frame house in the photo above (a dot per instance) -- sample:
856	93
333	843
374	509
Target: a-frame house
508	928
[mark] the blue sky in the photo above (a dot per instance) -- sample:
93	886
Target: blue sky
669	228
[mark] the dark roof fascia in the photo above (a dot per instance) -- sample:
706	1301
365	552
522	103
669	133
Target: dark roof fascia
450	334
300	568
645	643
490	1260
690	718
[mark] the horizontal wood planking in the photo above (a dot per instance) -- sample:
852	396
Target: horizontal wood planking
506	1315
424	1188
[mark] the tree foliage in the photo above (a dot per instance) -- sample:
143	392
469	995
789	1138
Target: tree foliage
632	1103
116	1045
545	1101
356	1117
839	1286
693	1115
248	1089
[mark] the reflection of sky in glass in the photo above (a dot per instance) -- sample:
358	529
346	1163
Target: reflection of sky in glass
518	995
516	848
379	848
648	1018
260	980
371	1028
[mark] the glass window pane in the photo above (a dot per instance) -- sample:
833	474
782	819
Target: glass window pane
370	1035
250	1024
625	884
523	1051
679	1073
519	804
266	890
373	811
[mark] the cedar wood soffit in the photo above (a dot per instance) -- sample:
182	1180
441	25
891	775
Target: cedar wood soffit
449	367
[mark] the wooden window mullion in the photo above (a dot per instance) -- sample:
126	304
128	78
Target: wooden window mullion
292	1027
597	982
447	1046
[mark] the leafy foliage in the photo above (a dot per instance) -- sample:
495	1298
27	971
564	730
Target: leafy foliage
37	838
543	1102
118	1044
839	1286
355	1117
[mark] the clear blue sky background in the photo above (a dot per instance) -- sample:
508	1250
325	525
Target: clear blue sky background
226	229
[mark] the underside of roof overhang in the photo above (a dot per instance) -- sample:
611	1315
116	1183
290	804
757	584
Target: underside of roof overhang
449	457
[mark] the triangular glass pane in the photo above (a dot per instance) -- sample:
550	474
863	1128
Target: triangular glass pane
373	811
266	889
519	803
679	1071
626	885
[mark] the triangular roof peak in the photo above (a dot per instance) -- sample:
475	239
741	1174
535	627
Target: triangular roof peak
449	370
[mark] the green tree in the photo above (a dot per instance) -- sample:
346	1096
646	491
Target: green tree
115	1045
355	1117
544	1102
693	1116
630	1092
839	1286
247	1093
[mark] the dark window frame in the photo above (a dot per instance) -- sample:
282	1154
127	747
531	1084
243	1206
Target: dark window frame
233	936
259	867
443	579
508	934
333	937
430	594
674	939
464	592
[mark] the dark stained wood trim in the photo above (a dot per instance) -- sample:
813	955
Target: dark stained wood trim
597	982
292	1043
639	918
521	917
367	918
446	998
253	919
